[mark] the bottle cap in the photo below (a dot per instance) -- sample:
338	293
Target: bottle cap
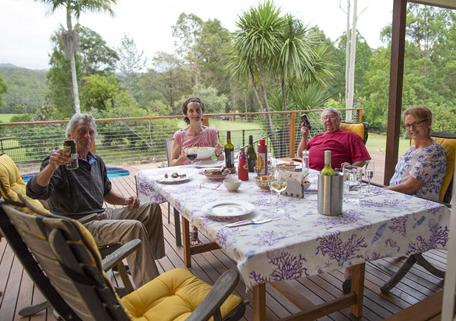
262	141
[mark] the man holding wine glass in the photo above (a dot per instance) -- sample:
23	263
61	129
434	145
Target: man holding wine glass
346	147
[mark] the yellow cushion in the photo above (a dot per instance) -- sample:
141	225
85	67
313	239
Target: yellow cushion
171	296
357	128
12	184
449	145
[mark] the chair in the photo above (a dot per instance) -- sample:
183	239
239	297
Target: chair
360	128
62	258
448	142
177	231
11	187
440	305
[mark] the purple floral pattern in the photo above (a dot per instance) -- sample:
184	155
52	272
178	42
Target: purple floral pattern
302	242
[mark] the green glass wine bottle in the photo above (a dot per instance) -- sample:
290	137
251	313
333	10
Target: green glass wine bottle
327	169
229	151
251	155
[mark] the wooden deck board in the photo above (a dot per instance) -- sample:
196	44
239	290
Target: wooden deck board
418	284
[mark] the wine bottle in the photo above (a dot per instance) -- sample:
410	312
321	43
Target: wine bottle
229	151
327	169
251	155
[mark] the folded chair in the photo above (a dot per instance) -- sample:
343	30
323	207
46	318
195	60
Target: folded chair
63	260
360	129
448	142
11	186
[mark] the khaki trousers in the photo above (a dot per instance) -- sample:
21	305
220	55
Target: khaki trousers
124	224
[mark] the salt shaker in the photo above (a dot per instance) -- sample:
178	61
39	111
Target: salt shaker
305	161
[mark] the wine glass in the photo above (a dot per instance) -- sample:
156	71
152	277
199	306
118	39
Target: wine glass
191	155
278	184
369	172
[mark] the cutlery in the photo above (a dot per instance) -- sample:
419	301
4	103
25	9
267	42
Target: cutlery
247	222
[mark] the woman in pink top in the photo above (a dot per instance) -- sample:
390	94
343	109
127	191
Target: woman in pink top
195	135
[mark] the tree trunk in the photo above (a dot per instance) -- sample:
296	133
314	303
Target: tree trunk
347	55
77	106
351	86
255	90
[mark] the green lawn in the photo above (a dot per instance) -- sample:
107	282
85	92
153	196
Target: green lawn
377	143
5	118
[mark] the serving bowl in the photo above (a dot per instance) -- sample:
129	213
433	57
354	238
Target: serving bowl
232	184
262	182
202	152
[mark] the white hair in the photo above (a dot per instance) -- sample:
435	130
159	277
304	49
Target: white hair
86	118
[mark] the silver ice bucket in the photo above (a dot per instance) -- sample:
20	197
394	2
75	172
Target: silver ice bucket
330	194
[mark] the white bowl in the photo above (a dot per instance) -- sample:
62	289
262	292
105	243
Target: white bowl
232	184
202	152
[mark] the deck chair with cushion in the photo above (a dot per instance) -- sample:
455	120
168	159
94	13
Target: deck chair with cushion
448	142
360	129
62	258
11	186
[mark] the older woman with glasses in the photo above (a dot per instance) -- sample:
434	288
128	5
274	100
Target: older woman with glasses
420	171
346	147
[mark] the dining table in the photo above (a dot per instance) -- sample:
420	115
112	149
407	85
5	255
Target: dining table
299	242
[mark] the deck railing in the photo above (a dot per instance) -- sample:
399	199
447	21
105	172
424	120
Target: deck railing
125	141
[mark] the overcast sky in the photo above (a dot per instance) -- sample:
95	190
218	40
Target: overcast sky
26	26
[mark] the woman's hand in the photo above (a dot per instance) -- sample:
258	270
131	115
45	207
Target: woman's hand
218	150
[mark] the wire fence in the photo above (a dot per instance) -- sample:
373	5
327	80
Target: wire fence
130	141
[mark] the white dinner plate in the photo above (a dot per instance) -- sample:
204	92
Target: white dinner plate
209	164
228	208
171	180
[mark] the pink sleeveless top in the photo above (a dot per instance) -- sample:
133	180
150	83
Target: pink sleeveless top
206	139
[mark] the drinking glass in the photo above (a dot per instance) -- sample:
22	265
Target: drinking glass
191	155
278	185
353	176
369	173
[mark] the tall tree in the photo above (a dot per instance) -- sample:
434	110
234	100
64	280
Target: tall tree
187	31
69	37
255	47
132	61
93	57
3	89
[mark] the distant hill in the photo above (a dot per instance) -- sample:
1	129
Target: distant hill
26	89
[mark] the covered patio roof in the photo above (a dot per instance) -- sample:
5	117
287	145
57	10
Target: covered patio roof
396	78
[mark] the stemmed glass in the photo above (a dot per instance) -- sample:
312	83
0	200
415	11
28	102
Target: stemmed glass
369	173
278	184
191	155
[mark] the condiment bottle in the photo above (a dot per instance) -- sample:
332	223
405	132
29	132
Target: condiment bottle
243	172
262	160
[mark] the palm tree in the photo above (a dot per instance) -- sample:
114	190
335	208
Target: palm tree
69	37
255	46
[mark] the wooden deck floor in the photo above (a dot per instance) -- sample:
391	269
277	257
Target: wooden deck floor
19	291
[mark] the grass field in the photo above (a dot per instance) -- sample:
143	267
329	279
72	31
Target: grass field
377	143
5	118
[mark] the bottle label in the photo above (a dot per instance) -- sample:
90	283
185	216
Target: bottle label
262	164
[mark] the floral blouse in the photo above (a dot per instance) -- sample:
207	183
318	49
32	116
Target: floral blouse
428	165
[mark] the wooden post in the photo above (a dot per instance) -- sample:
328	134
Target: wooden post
292	135
395	88
206	121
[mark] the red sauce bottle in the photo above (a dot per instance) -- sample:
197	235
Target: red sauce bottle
243	168
262	161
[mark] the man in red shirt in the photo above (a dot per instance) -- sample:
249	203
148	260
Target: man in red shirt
346	147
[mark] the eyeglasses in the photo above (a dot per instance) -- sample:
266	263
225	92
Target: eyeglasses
413	125
332	117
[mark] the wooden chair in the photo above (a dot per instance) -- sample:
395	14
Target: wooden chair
11	186
448	142
440	305
62	258
361	129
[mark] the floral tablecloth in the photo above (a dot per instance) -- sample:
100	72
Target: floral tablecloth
301	242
